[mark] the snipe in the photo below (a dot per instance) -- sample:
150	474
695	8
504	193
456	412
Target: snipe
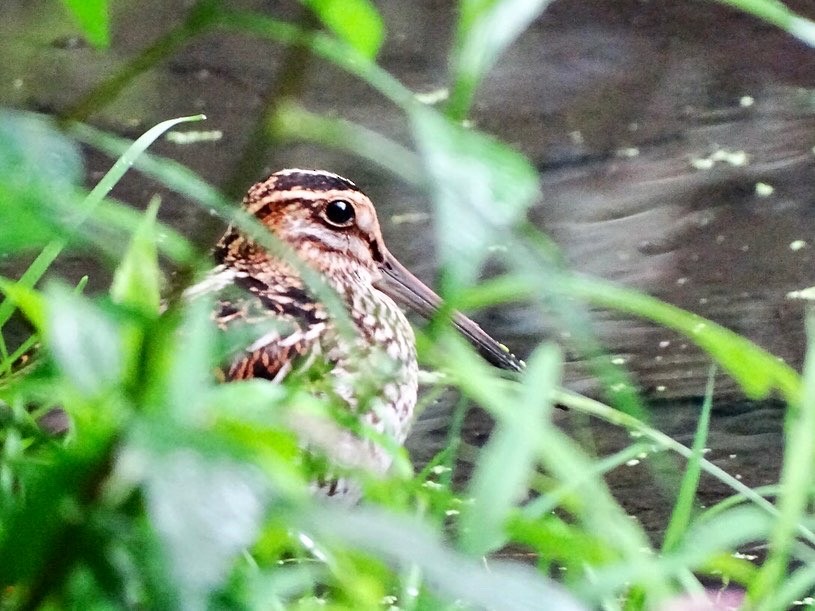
332	227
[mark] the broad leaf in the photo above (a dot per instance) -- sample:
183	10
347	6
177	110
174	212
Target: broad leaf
485	29
357	22
180	361
85	341
137	280
206	510
508	461
92	16
480	189
30	302
39	173
408	542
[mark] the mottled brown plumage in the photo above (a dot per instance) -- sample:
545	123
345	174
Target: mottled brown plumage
332	228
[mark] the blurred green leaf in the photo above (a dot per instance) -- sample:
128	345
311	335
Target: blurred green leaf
600	514
727	531
357	22
85	341
681	514
794	590
705	540
29	301
206	509
137	279
508	461
794	498
33	152
180	360
485	29
737	569
92	16
407	542
34	530
26	140
480	189
558	541
295	123
39	173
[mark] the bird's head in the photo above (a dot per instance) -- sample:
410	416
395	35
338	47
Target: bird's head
325	218
333	227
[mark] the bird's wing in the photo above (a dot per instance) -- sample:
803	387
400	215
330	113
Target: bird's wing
274	354
274	329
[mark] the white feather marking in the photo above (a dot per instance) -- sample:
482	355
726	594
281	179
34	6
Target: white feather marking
264	340
218	278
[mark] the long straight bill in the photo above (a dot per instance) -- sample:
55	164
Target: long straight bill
402	286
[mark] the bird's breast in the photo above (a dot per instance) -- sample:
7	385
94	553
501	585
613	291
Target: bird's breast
378	370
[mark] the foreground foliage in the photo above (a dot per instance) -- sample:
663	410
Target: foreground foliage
173	491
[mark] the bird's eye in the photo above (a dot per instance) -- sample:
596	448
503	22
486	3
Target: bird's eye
339	212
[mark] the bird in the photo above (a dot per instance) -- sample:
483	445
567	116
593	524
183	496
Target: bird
331	228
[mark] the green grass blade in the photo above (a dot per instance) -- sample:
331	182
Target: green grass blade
294	122
8	362
32	275
127	158
566	462
115	217
792	591
775	12
508	460
757	371
705	540
681	514
600	514
137	279
604	412
549	502
796	479
30	302
181	179
405	541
